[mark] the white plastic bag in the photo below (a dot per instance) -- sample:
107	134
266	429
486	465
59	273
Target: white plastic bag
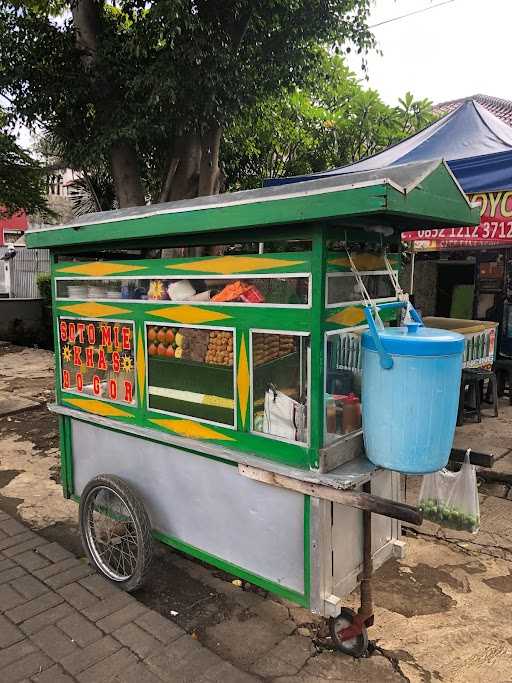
283	416
451	498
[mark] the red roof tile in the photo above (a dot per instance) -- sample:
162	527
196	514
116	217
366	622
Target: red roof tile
500	108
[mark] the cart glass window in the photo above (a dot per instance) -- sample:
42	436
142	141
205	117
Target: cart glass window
191	372
280	290
280	384
97	359
342	384
342	288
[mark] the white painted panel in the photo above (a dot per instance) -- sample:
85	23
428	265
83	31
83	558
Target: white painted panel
202	502
347	529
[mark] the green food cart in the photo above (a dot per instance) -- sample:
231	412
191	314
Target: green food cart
212	402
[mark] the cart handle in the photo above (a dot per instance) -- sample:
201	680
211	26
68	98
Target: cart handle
386	361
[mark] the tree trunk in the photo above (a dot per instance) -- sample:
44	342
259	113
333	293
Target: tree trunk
210	175
125	172
123	157
85	20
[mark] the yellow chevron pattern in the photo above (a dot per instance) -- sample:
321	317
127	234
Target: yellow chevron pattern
226	265
191	429
100	269
188	314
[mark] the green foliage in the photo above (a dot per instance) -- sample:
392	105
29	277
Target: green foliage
45	336
159	70
44	285
332	121
21	178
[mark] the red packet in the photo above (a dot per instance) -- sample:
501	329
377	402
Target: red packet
252	295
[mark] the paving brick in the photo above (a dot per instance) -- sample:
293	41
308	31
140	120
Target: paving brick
100	587
33	607
16	540
70	575
5	563
121	617
11	574
57	568
137	674
78	596
28	666
54	642
2	535
11	527
227	673
80	629
29	587
54	552
22	547
16	652
90	655
163	629
31	560
108	606
109	668
53	675
185	658
9	598
9	634
50	616
138	640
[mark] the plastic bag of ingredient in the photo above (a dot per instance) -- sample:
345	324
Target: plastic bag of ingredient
451	498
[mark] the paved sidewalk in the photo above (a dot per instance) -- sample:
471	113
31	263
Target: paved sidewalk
62	622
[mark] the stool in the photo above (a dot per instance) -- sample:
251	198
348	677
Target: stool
503	368
474	380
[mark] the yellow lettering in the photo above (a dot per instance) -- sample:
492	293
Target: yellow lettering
482	200
494	198
504	211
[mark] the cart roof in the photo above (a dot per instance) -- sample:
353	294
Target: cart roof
417	195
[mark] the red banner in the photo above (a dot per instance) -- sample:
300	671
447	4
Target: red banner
495	227
447	244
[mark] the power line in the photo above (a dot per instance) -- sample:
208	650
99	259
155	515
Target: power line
410	14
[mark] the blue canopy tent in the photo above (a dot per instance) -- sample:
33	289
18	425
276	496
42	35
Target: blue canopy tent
476	144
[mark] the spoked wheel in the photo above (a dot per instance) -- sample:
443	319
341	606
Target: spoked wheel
115	531
346	635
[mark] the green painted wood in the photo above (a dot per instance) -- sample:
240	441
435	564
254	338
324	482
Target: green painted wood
235	570
364	200
351	320
394	260
436	199
316	408
259	316
175	268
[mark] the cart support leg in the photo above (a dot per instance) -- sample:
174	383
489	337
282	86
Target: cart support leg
366	609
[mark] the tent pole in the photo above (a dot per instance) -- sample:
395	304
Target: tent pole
411	289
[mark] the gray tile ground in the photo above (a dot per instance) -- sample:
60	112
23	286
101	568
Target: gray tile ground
60	623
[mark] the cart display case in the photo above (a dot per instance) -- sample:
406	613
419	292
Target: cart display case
223	392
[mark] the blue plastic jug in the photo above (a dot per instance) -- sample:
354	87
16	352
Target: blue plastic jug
410	393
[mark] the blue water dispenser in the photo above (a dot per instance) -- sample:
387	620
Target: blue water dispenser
410	391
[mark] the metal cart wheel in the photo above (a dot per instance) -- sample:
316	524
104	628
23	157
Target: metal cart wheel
347	635
116	531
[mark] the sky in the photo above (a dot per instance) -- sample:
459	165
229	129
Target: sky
455	50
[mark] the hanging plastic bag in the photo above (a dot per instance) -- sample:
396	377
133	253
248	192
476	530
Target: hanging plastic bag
283	416
451	498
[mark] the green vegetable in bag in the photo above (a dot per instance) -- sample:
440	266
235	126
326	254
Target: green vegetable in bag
451	498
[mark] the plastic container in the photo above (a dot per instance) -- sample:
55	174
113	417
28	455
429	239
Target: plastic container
351	415
410	392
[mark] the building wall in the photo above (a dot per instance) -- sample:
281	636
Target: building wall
424	286
21	320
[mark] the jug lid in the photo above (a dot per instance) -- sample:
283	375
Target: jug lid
416	340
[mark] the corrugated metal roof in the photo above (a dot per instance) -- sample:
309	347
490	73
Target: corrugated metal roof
502	109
